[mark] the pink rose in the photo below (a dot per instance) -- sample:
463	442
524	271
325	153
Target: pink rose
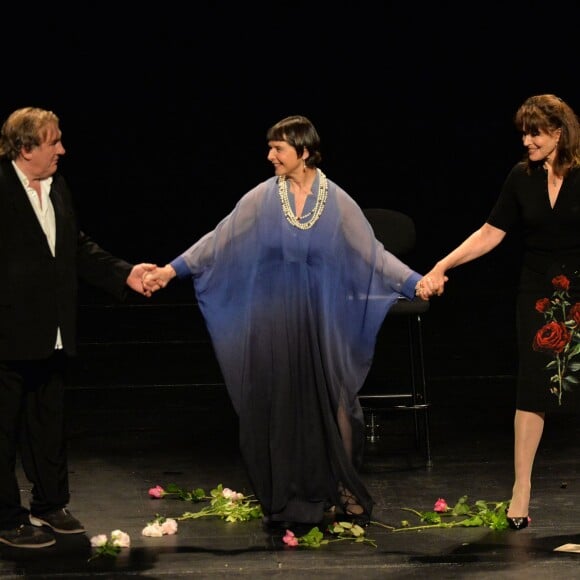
290	539
157	492
440	505
230	494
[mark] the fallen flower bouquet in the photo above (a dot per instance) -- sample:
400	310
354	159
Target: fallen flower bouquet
482	513
232	506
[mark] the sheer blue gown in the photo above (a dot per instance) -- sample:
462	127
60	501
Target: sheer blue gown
293	316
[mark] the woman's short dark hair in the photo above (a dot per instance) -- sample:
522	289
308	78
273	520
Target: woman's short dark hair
300	133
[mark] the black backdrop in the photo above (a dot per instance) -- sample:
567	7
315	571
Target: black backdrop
164	113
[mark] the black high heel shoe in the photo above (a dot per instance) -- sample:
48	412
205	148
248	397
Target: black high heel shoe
352	510
517	523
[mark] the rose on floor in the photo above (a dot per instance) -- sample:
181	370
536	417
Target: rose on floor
160	526
224	502
481	513
109	546
339	532
195	495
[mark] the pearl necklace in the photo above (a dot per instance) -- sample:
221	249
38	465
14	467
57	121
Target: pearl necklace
318	208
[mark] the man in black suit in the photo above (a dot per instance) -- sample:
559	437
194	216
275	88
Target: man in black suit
43	253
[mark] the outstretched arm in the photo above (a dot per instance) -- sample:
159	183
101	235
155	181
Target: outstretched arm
480	242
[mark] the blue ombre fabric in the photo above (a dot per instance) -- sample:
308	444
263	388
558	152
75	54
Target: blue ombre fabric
293	316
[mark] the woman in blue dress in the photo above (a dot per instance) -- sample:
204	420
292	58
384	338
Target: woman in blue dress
294	287
540	199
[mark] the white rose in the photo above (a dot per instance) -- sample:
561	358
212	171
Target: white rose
152	530
120	539
98	541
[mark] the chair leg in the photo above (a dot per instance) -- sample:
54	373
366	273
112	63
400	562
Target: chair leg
372	426
419	387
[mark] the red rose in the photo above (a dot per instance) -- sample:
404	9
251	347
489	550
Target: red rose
561	283
552	337
575	313
543	304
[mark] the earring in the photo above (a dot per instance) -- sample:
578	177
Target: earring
303	166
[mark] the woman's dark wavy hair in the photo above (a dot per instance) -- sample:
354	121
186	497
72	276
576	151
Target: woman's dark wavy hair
549	113
300	133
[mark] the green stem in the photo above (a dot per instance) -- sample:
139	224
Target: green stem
381	525
419	514
427	526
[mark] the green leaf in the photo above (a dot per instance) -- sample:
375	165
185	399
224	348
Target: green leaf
461	508
431	518
472	522
199	493
313	539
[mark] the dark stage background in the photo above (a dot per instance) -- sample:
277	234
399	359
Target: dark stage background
164	113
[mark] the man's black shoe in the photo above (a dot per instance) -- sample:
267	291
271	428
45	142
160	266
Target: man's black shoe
25	536
61	521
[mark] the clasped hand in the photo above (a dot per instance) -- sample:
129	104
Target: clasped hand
432	284
157	278
147	278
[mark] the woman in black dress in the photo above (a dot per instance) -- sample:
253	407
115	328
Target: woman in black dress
540	198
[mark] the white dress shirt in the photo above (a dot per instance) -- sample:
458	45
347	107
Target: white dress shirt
44	211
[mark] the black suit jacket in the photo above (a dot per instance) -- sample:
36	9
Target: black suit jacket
38	292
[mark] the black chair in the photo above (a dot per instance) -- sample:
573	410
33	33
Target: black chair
396	231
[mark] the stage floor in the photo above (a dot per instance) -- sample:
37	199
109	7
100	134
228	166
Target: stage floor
123	441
